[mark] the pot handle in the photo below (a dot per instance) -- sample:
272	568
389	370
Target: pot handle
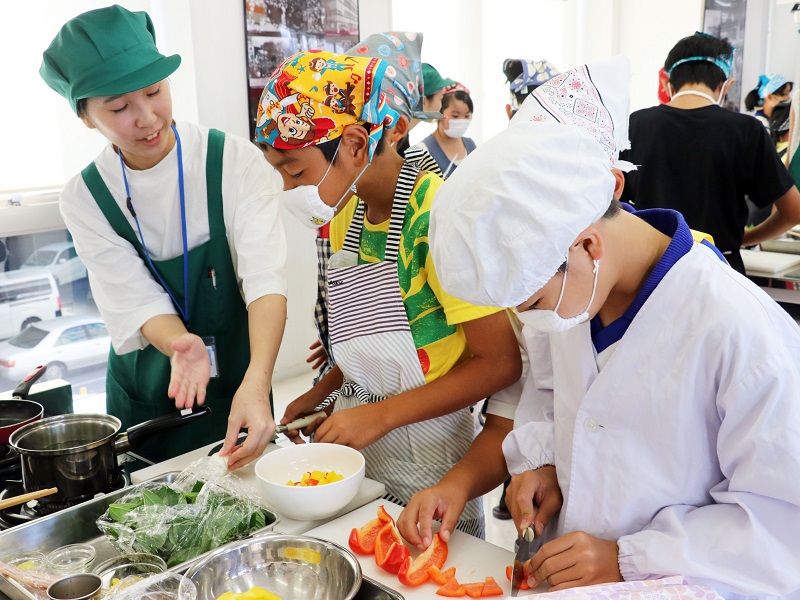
138	434
21	391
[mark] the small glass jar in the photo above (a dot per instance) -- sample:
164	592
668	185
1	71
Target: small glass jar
71	559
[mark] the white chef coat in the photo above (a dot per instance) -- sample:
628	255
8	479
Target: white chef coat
685	447
504	403
123	288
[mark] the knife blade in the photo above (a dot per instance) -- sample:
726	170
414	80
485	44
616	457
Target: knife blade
525	549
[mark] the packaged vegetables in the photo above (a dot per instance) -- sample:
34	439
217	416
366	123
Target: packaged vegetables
181	520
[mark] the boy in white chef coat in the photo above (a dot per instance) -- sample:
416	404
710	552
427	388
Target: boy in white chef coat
662	398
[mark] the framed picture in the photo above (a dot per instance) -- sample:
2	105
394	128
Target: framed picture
276	29
725	19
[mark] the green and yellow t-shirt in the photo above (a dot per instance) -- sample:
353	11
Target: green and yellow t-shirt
435	316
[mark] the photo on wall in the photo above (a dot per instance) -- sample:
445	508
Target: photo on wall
726	19
276	29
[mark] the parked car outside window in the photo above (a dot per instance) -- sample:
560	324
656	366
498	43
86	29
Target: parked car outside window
64	345
60	259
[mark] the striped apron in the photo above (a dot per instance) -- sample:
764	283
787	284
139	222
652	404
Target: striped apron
373	346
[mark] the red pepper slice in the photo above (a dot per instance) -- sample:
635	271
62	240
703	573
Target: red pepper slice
398	553
451	589
387	536
384	516
362	541
416	572
473	590
522	586
441	577
490	588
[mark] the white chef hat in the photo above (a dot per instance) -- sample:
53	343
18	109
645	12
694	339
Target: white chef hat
594	96
502	224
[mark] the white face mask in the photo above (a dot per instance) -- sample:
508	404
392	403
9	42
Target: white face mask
550	321
457	127
717	101
305	203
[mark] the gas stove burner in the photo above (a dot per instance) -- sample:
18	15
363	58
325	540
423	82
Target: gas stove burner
10	464
35	509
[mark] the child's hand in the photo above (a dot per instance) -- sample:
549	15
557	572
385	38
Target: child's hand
357	427
575	559
436	502
533	497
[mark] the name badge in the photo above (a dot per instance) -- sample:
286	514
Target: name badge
211	349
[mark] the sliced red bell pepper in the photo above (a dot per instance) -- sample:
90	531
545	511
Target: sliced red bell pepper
398	553
384	516
452	589
441	577
387	536
490	588
362	541
416	572
473	590
522	586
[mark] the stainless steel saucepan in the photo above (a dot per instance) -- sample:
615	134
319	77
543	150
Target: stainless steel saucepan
78	453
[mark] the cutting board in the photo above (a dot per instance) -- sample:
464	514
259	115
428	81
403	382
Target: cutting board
768	262
473	559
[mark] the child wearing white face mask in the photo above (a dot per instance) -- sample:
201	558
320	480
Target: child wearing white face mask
447	145
659	420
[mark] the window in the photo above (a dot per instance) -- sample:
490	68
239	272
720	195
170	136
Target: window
72	335
30	337
96	330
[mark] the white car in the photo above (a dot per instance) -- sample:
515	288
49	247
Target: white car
63	345
60	259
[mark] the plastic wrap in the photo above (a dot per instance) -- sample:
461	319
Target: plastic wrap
204	508
164	586
31	579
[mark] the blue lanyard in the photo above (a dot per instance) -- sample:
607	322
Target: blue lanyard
185	312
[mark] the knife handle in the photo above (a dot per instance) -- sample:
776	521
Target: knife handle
301	422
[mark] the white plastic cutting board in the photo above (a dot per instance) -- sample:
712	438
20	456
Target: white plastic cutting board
768	262
473	559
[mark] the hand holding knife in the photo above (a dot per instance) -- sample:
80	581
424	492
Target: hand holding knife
525	550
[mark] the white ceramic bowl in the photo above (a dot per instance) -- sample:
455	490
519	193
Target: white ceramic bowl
316	502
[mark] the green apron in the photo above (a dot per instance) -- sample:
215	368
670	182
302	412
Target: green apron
137	382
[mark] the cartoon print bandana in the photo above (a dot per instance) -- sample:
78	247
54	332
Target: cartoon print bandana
314	95
572	98
403	83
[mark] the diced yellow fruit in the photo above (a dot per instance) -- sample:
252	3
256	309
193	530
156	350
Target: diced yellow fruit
311	478
307	555
254	593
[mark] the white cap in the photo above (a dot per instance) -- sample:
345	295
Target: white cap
502	224
595	97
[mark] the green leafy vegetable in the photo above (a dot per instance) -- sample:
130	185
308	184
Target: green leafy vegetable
178	525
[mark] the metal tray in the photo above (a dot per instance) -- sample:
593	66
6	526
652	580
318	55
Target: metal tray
78	525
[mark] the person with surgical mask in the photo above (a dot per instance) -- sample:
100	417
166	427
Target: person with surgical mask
705	161
659	422
448	144
409	359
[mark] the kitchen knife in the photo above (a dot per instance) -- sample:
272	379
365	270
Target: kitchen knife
301	422
525	549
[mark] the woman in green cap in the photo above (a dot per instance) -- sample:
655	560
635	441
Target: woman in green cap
179	229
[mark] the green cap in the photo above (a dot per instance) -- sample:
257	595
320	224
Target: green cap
105	52
432	81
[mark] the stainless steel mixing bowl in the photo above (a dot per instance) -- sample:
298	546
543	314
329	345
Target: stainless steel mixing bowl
292	566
